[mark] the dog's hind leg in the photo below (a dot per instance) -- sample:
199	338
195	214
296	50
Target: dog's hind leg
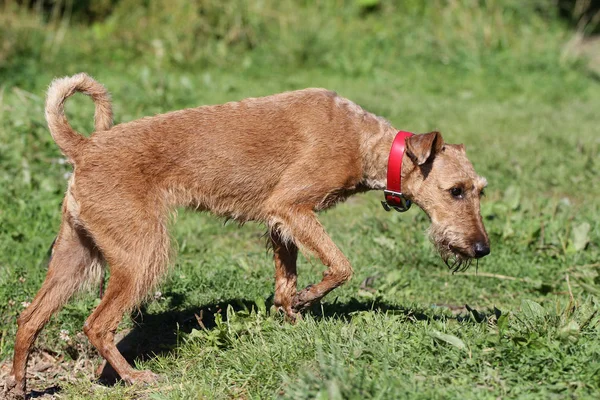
308	233
136	264
74	261
285	254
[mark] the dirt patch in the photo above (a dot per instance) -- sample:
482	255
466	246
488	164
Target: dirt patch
48	371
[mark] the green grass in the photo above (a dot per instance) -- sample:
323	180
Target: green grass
494	77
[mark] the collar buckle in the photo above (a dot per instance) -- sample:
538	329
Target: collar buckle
396	201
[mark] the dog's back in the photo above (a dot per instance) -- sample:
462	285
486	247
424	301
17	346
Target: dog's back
239	159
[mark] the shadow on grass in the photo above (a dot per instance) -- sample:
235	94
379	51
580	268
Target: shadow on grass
158	333
51	391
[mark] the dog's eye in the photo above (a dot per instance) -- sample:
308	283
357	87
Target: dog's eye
457	192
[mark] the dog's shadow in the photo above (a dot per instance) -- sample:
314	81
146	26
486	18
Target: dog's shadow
159	333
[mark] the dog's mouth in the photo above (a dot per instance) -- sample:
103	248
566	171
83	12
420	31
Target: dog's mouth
455	258
453	249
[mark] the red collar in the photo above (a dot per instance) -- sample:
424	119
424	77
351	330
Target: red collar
393	193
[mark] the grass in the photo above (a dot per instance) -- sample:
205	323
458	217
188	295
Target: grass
495	77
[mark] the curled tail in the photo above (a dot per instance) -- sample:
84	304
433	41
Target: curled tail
60	89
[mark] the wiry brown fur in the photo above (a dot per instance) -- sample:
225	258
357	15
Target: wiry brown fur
277	159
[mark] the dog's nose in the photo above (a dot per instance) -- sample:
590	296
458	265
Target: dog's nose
481	249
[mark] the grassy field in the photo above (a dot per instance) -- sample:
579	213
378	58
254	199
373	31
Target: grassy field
499	76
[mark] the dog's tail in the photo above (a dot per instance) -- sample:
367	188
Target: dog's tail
60	89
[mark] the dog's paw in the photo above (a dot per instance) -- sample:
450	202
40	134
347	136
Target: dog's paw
303	300
145	377
13	390
291	316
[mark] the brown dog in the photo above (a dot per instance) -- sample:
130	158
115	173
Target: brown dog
276	159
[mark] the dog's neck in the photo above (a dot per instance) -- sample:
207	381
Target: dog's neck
378	136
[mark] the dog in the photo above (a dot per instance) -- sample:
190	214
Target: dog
277	159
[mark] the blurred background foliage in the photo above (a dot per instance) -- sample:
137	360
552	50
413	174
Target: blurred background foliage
345	36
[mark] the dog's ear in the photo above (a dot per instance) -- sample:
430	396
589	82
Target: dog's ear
421	148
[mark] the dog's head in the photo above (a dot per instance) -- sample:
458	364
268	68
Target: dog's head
440	179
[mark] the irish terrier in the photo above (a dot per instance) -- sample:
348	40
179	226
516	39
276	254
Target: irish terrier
276	159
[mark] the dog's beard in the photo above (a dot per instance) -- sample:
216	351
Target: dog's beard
455	260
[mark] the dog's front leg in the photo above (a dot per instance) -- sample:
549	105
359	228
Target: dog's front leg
285	254
309	234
